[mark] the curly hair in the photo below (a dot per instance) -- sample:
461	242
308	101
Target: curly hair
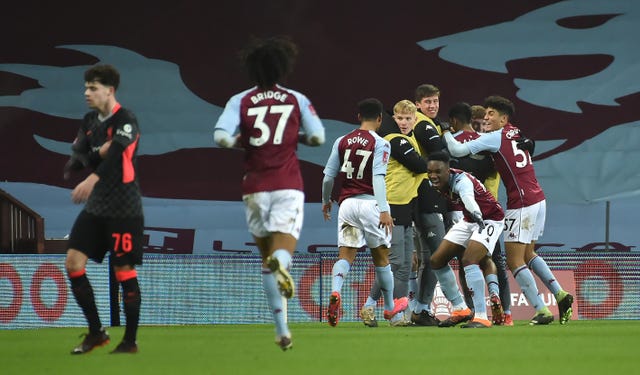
269	60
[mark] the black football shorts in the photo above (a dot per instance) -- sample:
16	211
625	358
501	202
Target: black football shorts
95	236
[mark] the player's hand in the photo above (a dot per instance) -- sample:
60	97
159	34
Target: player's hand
326	211
386	221
526	144
82	192
477	218
238	142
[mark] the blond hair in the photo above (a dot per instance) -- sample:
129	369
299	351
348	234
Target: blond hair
405	107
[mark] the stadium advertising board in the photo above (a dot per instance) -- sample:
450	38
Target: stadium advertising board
227	290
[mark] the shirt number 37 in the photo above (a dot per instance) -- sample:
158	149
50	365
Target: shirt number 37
283	111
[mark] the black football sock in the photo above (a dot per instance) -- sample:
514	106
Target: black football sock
131	297
83	292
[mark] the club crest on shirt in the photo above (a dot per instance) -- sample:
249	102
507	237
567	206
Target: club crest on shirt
512	133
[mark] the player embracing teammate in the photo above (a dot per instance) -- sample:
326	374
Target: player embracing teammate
526	205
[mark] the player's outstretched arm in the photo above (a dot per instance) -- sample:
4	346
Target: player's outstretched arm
456	149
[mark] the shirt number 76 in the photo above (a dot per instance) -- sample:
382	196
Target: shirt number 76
122	242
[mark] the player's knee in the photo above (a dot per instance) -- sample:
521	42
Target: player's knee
75	261
436	262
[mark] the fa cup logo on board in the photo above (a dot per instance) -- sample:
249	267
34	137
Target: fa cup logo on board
440	305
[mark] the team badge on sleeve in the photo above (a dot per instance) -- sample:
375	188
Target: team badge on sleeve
312	110
125	131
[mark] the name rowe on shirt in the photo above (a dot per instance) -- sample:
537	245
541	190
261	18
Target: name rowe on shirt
357	139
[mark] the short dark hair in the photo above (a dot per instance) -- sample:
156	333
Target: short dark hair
425	90
370	109
461	111
269	60
501	104
439	156
103	73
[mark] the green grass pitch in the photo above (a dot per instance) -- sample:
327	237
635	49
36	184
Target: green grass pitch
580	347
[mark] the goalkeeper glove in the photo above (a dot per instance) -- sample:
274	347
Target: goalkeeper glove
444	126
526	144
